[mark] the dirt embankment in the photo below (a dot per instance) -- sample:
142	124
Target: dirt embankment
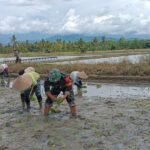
143	79
102	124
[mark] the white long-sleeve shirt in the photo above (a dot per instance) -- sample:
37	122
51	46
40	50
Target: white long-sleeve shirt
74	77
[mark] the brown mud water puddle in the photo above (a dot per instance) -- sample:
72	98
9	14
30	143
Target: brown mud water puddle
103	123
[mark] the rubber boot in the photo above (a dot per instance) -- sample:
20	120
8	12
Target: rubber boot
73	110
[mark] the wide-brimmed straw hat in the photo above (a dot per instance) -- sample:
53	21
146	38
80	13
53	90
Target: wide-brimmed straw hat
22	82
29	69
82	75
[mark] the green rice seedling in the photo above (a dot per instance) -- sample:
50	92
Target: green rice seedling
33	98
55	109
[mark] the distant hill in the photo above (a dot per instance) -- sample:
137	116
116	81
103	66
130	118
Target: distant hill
32	37
72	37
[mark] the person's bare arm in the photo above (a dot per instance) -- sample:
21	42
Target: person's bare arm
50	95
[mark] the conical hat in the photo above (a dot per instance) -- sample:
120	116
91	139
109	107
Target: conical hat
29	69
82	75
22	82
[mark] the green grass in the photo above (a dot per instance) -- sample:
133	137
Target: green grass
101	52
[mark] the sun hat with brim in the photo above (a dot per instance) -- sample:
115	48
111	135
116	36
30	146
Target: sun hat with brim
54	75
29	69
22	82
82	75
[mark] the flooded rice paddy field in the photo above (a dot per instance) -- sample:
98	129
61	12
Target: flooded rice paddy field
87	59
110	117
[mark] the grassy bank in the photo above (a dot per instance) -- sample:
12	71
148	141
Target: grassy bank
103	69
105	52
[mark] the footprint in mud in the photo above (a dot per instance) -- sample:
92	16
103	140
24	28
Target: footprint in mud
59	116
81	117
37	134
110	103
10	111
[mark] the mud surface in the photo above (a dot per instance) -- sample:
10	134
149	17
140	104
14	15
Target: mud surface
101	124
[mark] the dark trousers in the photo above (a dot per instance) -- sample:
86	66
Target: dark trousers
25	96
18	60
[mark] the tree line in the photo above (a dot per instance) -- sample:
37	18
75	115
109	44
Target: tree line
73	46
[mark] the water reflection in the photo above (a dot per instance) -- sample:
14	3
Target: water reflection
112	90
131	58
121	91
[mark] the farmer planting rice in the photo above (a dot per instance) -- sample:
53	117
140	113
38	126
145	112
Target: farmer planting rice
28	83
77	78
55	83
4	73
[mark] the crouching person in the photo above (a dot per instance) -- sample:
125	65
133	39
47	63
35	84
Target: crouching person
55	83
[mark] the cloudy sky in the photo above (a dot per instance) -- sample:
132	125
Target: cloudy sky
75	16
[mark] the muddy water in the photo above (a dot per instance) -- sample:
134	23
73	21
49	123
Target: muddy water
103	123
113	91
43	59
130	58
121	91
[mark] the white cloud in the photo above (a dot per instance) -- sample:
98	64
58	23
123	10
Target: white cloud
101	19
20	25
79	16
71	24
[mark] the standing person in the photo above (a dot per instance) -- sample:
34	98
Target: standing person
77	78
28	83
55	83
4	74
17	55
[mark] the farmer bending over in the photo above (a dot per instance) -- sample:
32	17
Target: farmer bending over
28	83
77	77
4	73
55	83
